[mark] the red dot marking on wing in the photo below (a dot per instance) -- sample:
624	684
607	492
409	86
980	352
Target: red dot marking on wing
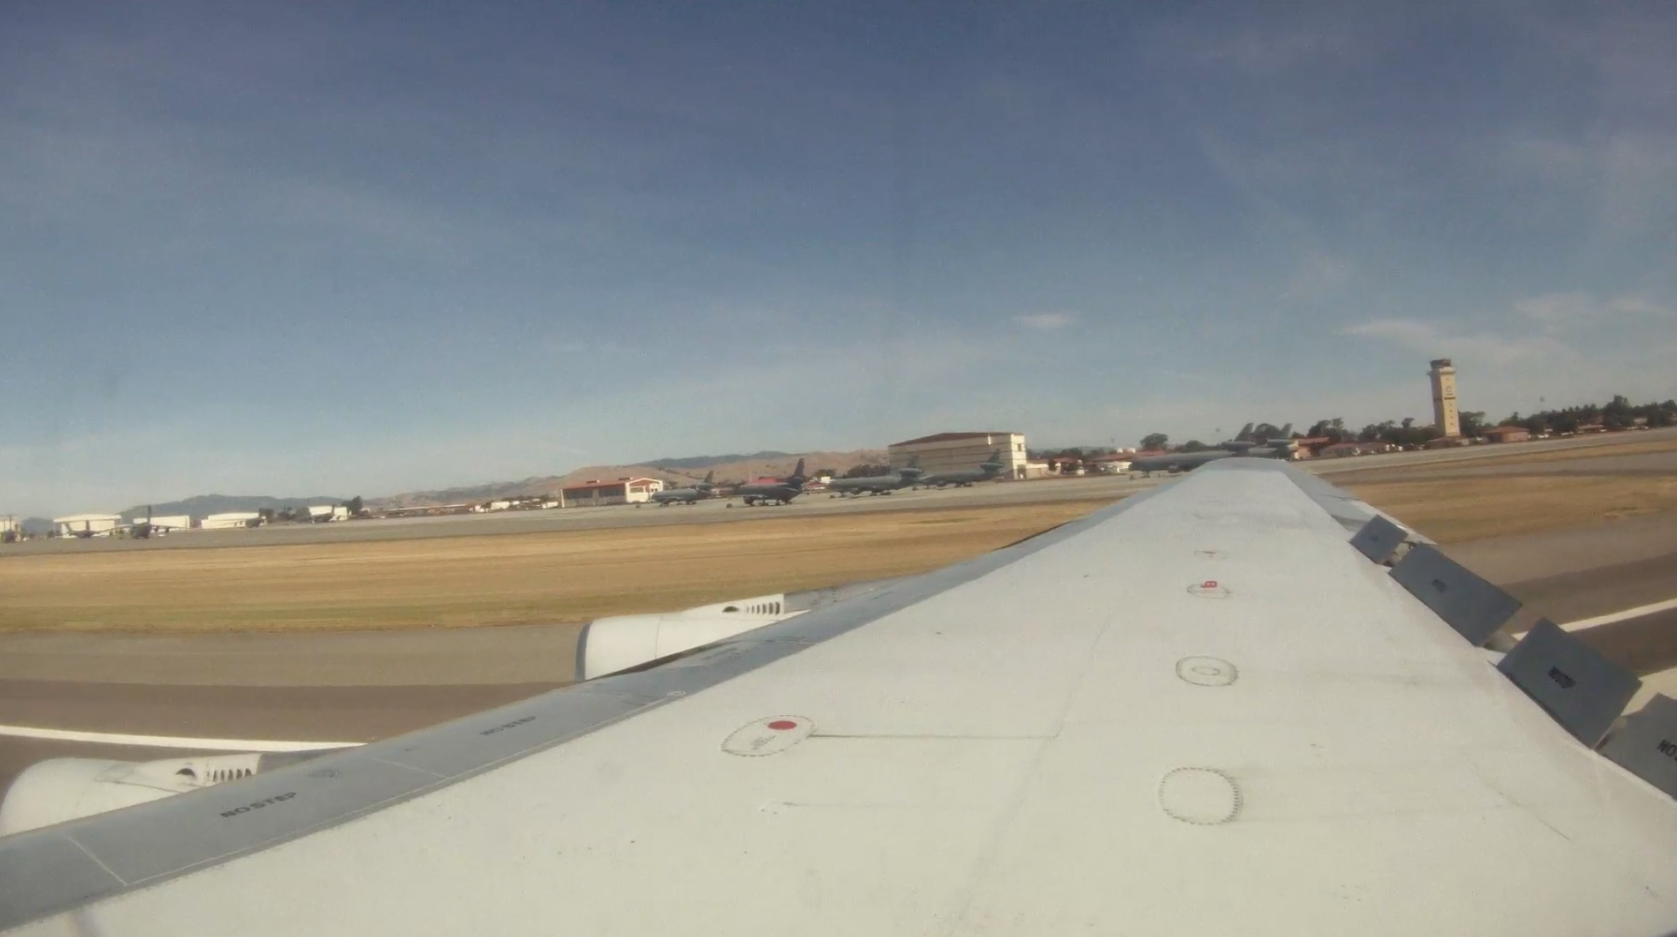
781	725
1209	584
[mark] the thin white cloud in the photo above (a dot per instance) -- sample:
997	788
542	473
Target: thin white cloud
1535	329
1436	340
1265	51
1622	179
1046	321
1319	276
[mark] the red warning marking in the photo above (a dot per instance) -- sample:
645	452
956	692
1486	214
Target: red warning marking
781	725
1209	584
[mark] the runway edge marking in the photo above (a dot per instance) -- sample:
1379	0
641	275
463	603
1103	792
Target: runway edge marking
1611	617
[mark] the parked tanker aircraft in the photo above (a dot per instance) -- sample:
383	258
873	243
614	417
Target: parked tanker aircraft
1243	702
781	492
879	484
1281	447
990	468
693	495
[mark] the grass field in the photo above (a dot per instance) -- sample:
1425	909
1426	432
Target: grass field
468	581
1454	510
577	575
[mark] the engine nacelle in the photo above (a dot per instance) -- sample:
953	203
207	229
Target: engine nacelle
63	789
608	645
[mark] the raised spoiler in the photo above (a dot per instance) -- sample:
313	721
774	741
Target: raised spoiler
1579	688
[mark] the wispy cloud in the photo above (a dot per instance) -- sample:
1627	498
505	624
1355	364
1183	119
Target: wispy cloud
1534	329
1319	276
1046	321
1273	49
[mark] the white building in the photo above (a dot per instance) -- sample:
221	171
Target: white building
87	525
961	452
231	520
621	491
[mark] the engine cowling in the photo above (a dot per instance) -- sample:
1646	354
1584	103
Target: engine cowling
608	645
63	789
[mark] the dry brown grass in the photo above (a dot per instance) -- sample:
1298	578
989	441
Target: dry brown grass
1517	457
492	580
1458	509
576	575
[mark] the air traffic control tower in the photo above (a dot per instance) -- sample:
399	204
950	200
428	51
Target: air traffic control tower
1444	416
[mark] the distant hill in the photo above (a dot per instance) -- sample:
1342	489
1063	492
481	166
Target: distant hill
202	505
677	472
706	461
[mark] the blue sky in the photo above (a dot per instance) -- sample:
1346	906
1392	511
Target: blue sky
338	248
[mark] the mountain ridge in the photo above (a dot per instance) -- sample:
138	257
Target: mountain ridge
677	472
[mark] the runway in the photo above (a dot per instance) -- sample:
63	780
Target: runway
365	686
361	686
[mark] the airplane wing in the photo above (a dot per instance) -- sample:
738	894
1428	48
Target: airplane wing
1200	711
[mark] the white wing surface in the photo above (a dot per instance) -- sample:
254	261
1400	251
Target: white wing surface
1198	712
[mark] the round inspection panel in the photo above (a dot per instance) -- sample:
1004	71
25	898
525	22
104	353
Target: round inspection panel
1206	671
1201	796
1209	589
768	736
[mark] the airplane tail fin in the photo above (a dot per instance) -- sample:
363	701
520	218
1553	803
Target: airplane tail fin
1287	431
1245	433
797	477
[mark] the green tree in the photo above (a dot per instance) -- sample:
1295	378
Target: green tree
1333	429
1192	445
867	471
1155	441
356	506
1472	422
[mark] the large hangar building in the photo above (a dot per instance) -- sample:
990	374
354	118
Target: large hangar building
622	491
87	525
961	452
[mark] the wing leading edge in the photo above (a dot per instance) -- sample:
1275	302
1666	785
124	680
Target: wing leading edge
1197	710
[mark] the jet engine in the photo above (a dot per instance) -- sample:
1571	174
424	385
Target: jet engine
63	789
608	645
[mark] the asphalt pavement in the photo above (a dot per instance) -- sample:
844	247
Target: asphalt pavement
363	686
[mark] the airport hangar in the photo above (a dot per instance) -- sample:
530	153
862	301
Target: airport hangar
961	452
622	491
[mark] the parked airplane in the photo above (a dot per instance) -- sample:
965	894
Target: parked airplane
693	495
1247	440
988	469
879	484
1278	734
781	492
1281	447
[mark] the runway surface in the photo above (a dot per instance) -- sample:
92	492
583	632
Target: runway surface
369	685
